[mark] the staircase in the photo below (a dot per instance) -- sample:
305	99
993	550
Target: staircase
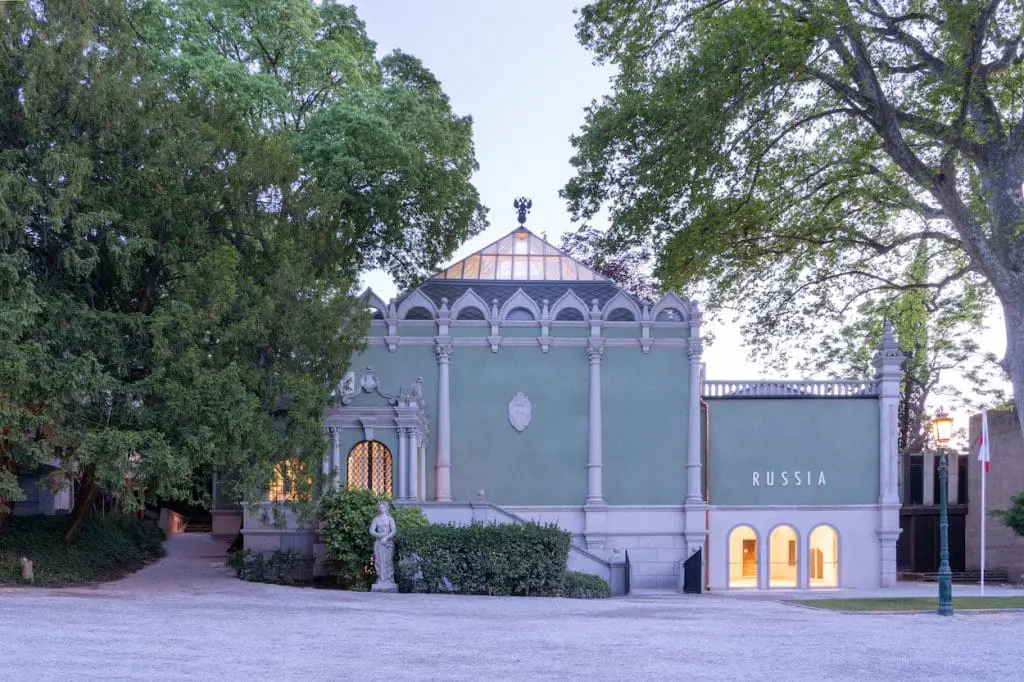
199	524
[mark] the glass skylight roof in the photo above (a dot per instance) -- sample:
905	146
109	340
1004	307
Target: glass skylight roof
520	256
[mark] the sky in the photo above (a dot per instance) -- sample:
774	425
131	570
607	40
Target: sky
517	68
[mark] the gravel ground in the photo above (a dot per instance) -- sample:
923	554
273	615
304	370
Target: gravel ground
186	617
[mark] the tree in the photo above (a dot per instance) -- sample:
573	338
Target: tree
188	193
794	155
629	268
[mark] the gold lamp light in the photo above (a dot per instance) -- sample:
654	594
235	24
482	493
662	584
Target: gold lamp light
942	428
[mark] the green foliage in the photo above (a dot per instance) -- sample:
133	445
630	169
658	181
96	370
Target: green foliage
107	548
1013	517
345	516
792	161
189	192
497	559
577	585
275	567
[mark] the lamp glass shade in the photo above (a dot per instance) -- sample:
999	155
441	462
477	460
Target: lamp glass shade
942	427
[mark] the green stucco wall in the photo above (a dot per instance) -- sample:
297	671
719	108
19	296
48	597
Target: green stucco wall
546	463
644	409
785	441
394	371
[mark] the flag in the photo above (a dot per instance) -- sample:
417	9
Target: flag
983	444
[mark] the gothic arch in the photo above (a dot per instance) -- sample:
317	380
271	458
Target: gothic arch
570	300
416	299
470	299
519	300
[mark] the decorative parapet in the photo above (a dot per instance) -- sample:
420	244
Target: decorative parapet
790	389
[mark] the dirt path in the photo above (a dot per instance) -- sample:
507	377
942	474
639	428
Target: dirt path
193	561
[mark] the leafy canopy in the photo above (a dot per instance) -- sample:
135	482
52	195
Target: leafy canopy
794	157
188	193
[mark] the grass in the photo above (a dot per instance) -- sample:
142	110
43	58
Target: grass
107	548
911	604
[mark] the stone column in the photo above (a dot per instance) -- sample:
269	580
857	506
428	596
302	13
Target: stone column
693	453
928	479
595	353
954	478
423	471
336	452
327	456
444	444
400	464
595	511
695	530
888	363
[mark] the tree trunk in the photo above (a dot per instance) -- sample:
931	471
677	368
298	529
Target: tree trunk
1013	361
87	494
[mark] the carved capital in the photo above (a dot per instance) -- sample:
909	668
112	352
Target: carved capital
335	434
443	349
695	348
595	353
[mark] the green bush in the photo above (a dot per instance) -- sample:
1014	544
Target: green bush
107	548
1012	518
345	517
576	585
498	559
277	567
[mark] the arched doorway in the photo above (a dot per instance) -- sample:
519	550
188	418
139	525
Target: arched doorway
824	544
783	557
369	466
743	557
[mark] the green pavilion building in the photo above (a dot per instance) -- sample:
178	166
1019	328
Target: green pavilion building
520	384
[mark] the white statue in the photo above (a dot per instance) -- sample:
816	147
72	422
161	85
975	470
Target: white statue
383	530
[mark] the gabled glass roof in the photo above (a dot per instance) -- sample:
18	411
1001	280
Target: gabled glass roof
520	256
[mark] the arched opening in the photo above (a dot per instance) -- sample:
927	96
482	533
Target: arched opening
669	315
621	315
286	480
521	314
418	313
743	557
369	466
471	313
824	544
783	557
569	315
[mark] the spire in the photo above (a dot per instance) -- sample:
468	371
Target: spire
888	359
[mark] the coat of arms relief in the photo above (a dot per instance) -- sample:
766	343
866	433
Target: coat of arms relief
519	412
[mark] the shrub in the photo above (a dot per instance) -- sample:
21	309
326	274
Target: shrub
577	585
345	517
107	548
498	559
1012	518
260	567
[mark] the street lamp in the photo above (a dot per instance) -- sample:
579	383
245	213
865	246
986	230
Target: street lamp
942	427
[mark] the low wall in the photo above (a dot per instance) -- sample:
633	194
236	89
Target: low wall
226	522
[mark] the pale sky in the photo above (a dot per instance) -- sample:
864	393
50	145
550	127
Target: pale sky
518	70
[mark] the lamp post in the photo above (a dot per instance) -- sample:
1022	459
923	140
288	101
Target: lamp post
942	426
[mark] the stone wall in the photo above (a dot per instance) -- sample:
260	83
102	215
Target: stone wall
1004	549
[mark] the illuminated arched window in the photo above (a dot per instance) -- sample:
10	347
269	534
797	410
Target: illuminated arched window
285	482
824	557
783	557
369	466
743	557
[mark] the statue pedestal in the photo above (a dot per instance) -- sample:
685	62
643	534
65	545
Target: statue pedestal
384	587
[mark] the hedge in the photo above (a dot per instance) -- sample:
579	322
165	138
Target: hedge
107	548
345	516
577	585
498	559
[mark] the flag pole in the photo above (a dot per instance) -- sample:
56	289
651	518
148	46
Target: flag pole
983	529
